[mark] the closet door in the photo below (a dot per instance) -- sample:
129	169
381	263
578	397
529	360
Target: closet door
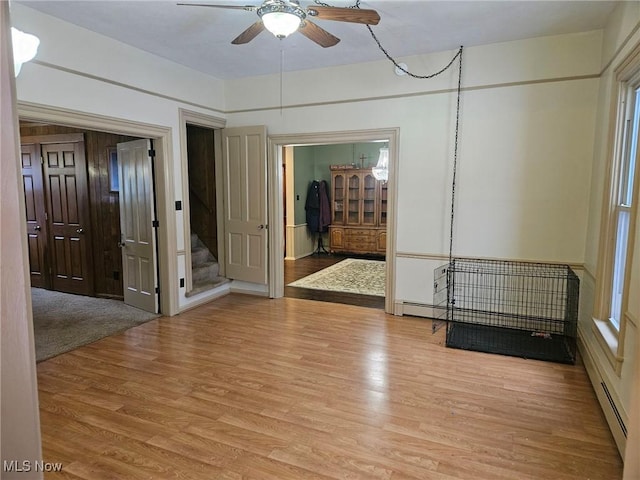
35	213
67	203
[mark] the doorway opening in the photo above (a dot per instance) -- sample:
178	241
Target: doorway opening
77	241
336	212
72	190
204	243
363	235
162	183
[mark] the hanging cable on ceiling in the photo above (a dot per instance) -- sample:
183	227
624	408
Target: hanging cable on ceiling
402	68
399	66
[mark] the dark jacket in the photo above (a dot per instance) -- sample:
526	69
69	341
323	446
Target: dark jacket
325	207
312	206
318	207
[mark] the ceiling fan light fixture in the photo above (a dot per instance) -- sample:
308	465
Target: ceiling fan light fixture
280	17
25	47
281	24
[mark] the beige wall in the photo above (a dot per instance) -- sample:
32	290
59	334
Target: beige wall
20	428
620	37
524	168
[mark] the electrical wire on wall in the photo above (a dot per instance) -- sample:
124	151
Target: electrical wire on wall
402	68
457	128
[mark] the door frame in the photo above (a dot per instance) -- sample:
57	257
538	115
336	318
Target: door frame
163	187
216	124
275	180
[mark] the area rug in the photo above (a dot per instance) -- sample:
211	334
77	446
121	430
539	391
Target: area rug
63	322
353	275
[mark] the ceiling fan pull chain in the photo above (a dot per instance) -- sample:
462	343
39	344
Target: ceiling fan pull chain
281	79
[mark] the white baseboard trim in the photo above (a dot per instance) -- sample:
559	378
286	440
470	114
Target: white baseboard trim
298	257
206	298
404	307
607	397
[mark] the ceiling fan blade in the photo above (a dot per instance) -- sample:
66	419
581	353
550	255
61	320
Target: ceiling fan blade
354	15
250	8
249	34
317	34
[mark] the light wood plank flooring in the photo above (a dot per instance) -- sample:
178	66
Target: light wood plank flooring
252	388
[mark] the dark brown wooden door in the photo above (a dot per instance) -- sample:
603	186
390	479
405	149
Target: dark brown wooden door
36	216
67	203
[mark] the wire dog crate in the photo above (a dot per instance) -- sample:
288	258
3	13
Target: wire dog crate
520	309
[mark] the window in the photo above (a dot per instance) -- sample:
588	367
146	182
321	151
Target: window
624	194
619	214
112	164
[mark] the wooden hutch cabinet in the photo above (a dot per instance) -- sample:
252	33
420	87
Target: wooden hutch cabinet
358	212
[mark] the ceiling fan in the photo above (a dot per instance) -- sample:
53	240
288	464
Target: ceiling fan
283	17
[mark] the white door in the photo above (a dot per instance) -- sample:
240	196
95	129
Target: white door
245	207
137	230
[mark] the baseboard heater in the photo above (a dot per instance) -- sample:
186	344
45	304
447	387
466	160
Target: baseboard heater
415	309
623	427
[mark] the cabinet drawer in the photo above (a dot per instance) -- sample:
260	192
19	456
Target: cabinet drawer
359	232
360	246
359	239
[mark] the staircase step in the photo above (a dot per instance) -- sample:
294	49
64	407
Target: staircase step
201	255
207	270
204	268
195	241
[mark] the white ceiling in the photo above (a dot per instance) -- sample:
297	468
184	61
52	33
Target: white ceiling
200	37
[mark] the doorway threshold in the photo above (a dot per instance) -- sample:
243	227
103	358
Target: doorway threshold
206	286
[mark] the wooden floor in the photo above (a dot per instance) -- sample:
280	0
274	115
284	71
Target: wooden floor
252	388
297	269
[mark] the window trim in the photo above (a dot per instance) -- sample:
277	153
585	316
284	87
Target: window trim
611	339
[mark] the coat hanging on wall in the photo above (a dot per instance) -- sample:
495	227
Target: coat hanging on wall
312	207
317	207
325	207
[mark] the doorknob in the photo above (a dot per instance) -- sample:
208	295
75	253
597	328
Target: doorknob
260	227
37	227
80	230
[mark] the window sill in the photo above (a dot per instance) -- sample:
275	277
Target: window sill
607	337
